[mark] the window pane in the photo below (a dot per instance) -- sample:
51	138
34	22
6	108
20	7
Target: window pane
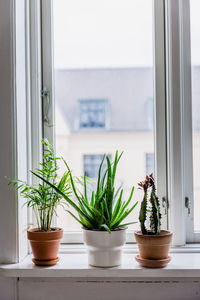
195	53
91	164
150	163
104	89
92	113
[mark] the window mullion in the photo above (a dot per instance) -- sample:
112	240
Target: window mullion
160	104
175	128
47	70
35	86
47	91
187	117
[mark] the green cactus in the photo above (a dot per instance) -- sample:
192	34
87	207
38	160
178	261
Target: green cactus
154	210
155	216
143	214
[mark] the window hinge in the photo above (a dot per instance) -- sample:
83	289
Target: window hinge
188	205
165	204
46	105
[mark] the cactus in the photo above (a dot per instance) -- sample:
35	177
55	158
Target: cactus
155	215
143	214
143	209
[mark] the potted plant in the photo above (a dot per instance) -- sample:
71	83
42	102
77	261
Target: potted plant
101	215
43	200
154	243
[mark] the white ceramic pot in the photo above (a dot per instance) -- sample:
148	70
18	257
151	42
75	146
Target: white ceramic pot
104	249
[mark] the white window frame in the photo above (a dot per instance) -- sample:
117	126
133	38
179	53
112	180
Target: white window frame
16	118
21	91
179	110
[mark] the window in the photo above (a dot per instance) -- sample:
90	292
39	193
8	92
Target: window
126	62
93	113
138	73
91	164
108	63
100	65
150	163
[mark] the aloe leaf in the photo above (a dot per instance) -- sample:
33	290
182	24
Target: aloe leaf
106	209
85	189
126	213
117	207
106	227
126	224
114	167
109	191
117	193
125	204
92	199
117	159
85	223
78	220
99	175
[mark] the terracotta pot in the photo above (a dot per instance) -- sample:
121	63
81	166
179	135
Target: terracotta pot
45	245
154	246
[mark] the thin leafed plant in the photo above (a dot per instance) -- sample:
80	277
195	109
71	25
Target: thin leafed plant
41	197
104	209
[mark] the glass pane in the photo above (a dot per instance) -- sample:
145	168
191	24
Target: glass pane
195	54
104	89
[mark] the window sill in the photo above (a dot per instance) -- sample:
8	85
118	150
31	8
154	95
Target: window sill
131	248
74	266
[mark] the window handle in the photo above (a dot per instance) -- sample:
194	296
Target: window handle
188	205
46	104
165	204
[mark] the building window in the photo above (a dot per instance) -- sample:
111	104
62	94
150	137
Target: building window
149	163
93	113
91	164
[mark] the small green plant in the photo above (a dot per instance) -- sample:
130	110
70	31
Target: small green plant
154	208
105	210
42	198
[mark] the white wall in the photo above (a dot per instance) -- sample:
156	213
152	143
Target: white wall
62	289
8	212
8	289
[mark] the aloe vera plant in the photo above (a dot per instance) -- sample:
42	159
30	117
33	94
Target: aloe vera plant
104	209
42	198
153	209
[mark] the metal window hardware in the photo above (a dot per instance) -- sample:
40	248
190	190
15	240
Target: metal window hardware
165	204
188	205
46	105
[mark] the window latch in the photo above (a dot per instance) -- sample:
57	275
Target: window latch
188	205
165	205
46	104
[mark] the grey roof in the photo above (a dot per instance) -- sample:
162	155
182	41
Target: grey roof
129	92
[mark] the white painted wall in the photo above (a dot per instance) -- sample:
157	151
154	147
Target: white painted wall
62	289
8	288
8	212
